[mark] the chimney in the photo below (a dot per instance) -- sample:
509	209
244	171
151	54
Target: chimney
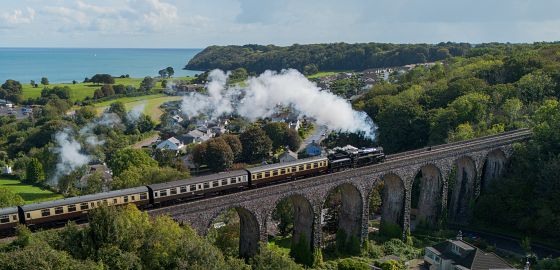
460	235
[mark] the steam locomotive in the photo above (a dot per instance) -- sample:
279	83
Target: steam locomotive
58	212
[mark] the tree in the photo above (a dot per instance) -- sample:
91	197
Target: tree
267	259
219	155
164	84
199	154
276	131
32	83
34	172
170	72
85	114
292	139
310	69
108	90
118	109
145	123
352	264
98	94
162	73
44	81
238	75
102	79
8	198
235	145
535	86
124	159
147	83
256	145
11	90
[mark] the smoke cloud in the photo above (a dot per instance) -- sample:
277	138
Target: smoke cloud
263	95
133	115
70	155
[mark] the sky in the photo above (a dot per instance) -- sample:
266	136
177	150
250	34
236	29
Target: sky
200	23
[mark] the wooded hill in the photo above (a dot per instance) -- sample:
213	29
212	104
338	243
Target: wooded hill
334	56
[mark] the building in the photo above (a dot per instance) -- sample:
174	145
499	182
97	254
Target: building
313	149
104	172
171	144
194	136
6	103
288	156
456	254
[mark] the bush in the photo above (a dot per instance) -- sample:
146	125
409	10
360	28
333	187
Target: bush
390	230
352	264
391	265
400	249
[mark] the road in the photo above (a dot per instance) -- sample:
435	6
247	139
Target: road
12	111
317	136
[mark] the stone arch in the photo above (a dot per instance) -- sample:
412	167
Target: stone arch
350	216
303	218
249	230
429	195
463	188
494	166
392	208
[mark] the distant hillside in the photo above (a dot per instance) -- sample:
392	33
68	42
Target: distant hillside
334	56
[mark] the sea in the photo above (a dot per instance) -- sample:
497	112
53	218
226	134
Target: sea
63	65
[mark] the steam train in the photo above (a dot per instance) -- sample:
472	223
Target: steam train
58	212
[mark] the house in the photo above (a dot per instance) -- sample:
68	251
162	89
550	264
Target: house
313	149
294	124
456	254
288	156
102	169
194	136
6	103
177	119
171	144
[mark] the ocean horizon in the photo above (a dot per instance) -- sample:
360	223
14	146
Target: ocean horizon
63	65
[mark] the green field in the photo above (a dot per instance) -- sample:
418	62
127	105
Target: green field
29	193
323	74
151	104
80	91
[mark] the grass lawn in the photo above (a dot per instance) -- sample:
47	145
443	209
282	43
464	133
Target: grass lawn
281	245
80	90
325	73
29	193
151	104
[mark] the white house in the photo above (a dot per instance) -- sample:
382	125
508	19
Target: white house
171	144
456	254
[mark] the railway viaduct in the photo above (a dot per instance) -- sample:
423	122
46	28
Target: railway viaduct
449	178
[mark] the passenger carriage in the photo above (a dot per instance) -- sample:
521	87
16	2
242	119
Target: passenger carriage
288	170
9	218
78	207
198	186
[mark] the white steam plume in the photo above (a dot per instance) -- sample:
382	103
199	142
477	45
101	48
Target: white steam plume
70	155
262	95
216	103
133	115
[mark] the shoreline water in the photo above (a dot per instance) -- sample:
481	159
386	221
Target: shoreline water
63	65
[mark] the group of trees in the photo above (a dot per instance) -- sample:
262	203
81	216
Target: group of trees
125	238
167	72
253	145
11	90
313	57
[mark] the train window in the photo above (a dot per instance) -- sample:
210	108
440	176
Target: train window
192	187
173	191
283	171
98	203
14	217
316	165
224	182
105	202
28	215
163	193
4	219
115	201
84	206
275	172
300	167
267	174
45	212
255	176
133	198
58	211
125	199
206	185
71	208
92	205
183	189
144	196
233	180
